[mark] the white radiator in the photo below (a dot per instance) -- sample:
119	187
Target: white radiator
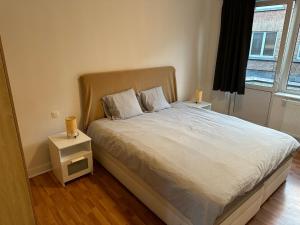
291	117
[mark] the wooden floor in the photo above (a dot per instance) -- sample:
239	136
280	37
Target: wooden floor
101	199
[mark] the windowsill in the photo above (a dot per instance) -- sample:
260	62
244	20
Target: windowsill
287	95
269	8
261	58
259	83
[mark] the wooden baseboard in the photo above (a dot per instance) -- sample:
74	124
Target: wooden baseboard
38	170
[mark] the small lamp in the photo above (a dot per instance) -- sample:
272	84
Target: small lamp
71	126
198	96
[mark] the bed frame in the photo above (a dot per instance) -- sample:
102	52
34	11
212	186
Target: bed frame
95	86
238	214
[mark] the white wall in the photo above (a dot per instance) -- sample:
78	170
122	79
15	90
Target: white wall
207	52
208	46
254	106
276	113
284	114
49	44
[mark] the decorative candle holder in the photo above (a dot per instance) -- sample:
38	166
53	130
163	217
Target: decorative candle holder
198	96
71	127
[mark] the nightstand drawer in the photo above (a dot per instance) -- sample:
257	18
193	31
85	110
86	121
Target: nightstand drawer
77	166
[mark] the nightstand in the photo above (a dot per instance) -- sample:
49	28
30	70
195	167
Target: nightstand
70	157
201	105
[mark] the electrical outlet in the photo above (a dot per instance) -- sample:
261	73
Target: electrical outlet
55	114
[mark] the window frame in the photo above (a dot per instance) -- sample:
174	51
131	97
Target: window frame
277	78
290	51
263	45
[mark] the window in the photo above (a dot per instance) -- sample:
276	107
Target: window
274	53
257	42
263	44
266	39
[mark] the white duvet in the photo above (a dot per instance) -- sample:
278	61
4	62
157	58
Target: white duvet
196	159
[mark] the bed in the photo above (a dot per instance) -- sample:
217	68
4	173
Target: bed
189	166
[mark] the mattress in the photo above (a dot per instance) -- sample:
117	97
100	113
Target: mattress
200	161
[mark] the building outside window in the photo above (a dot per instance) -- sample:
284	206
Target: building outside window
263	45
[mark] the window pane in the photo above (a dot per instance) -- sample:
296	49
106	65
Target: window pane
294	76
270	43
261	66
257	39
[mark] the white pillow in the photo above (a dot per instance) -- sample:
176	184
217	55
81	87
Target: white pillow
139	98
154	99
122	105
104	102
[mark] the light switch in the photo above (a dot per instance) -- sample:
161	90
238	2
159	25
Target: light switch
55	114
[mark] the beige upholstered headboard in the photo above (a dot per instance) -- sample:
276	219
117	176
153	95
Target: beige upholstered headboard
95	86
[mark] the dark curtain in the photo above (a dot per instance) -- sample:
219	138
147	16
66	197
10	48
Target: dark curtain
234	44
